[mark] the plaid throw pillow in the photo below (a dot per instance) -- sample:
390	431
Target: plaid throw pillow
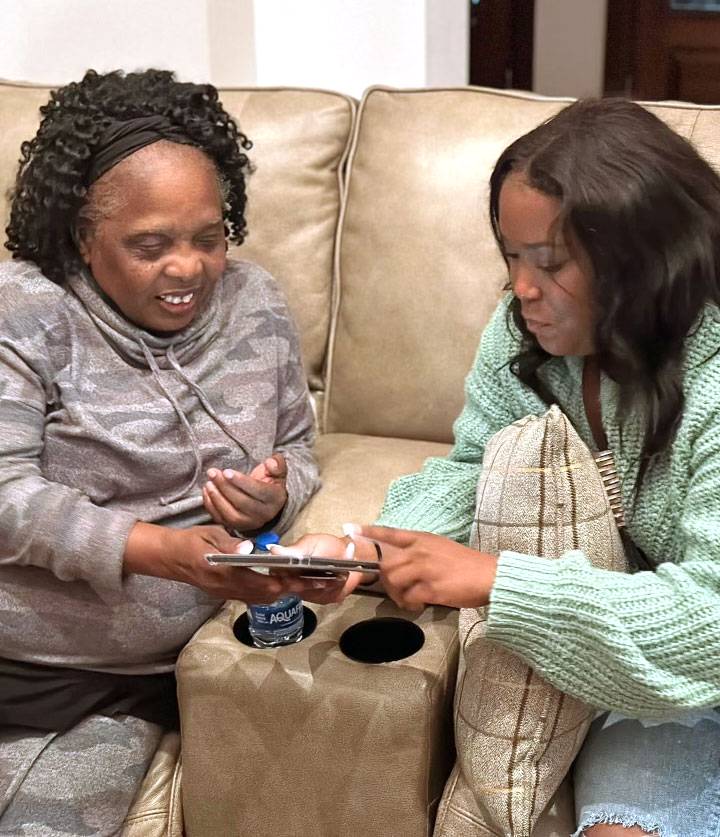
540	493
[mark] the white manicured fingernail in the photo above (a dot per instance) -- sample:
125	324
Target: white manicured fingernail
276	549
350	550
228	473
245	548
351	529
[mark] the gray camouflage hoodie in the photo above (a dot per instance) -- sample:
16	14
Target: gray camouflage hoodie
103	424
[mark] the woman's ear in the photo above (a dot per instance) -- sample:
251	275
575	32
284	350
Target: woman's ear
82	238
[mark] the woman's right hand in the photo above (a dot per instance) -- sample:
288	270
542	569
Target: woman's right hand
179	555
333	590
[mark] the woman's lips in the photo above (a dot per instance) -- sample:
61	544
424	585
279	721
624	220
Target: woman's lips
535	325
179	303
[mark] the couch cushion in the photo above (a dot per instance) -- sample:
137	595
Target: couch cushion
699	124
156	810
356	471
300	138
19	119
419	272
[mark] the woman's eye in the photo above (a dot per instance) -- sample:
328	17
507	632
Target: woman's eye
147	248
210	243
550	268
149	251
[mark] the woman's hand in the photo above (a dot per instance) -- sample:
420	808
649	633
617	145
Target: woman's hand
245	502
179	555
418	568
324	590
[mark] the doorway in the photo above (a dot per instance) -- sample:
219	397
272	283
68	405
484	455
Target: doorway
664	49
654	49
501	43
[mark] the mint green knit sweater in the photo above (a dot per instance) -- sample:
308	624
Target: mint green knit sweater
645	644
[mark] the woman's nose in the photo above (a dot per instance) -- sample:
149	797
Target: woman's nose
524	284
184	264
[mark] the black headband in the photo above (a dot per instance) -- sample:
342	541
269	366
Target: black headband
121	139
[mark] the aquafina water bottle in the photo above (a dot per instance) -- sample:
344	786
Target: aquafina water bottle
278	623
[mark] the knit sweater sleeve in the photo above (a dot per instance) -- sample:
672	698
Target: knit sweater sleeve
441	497
644	644
43	523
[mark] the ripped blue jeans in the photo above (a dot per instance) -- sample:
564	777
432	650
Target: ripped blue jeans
664	778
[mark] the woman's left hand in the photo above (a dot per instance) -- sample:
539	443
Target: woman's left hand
245	502
418	569
331	590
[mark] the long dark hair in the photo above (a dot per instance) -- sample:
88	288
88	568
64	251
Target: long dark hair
645	208
51	187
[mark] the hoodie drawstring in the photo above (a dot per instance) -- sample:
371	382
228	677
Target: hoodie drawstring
203	399
155	369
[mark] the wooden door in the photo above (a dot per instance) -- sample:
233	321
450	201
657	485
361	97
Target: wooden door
501	43
664	49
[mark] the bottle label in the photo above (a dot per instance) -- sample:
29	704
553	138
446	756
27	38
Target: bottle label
281	615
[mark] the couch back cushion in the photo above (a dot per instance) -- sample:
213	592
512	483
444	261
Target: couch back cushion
300	139
418	269
19	119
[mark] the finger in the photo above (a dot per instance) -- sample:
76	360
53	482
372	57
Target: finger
210	506
260	472
248	586
277	549
237	484
400	538
413	604
275	584
400	581
276	466
407	598
323	591
222	541
237	509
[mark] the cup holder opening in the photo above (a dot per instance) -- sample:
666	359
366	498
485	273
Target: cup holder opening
242	632
383	639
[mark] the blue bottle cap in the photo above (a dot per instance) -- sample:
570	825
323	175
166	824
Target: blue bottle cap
266	539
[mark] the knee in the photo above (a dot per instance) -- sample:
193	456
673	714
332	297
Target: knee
616	830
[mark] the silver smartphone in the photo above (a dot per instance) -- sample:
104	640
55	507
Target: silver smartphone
309	565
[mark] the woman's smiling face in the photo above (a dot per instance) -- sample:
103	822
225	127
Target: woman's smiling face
551	279
160	252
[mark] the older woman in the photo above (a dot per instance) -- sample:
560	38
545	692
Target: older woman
134	359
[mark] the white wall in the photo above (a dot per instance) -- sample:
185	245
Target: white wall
350	45
569	49
344	45
447	43
55	41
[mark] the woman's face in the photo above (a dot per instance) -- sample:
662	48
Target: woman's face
551	280
160	251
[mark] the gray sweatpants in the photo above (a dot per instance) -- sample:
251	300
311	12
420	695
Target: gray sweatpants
79	783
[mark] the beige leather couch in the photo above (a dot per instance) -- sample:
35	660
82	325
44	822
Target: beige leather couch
373	218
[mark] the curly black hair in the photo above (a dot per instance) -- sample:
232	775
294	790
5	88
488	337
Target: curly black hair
51	186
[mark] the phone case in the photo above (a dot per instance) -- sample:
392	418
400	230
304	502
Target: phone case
294	562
